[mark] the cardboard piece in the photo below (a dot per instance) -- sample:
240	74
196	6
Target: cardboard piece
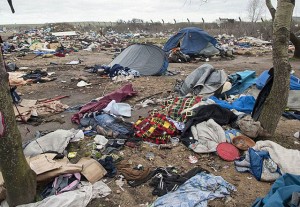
46	168
92	170
28	103
43	163
66	168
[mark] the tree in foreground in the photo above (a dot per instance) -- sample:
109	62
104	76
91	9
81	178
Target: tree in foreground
277	99
20	180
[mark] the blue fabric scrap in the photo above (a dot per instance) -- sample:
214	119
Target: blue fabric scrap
281	192
243	104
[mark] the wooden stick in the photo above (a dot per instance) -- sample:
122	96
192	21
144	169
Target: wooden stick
149	96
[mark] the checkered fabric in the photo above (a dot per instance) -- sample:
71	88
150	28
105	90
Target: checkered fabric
173	107
155	128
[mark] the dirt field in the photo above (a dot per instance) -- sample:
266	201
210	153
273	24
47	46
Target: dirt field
248	189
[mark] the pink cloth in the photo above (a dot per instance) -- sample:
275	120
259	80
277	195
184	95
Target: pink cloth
118	95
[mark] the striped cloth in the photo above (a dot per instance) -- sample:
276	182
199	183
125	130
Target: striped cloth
173	107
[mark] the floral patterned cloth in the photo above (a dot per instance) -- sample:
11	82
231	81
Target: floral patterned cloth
155	128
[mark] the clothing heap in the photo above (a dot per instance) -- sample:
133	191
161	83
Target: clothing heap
114	71
36	76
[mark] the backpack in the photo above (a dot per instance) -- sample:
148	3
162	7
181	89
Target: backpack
61	184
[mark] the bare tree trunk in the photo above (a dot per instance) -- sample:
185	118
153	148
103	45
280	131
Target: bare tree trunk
20	180
293	38
277	100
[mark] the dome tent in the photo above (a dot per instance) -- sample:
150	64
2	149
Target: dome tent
146	59
192	41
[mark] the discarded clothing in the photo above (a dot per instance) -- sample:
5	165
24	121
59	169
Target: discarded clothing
287	159
205	80
249	127
291	114
196	192
156	128
262	80
111	126
117	70
241	81
80	197
109	166
259	164
118	95
55	141
243	103
61	184
37	76
166	181
281	192
133	174
175	108
203	113
207	136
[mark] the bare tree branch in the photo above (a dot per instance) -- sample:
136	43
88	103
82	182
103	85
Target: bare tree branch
271	8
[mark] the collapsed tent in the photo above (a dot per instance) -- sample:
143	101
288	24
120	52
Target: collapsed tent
192	41
205	80
146	59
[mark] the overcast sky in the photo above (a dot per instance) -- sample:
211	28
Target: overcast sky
42	11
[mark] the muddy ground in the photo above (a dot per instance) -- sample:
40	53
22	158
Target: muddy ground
248	188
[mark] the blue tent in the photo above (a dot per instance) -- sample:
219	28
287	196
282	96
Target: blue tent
262	79
191	41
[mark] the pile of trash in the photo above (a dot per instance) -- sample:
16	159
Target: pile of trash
209	112
47	43
249	46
